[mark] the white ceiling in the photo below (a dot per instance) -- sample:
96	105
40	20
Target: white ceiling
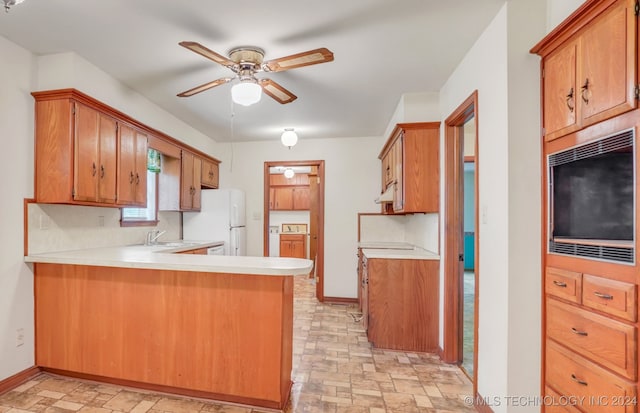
382	49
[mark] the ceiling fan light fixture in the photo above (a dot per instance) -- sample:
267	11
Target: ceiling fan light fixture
246	93
289	137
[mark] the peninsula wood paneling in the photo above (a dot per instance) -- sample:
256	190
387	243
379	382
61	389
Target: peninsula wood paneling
224	334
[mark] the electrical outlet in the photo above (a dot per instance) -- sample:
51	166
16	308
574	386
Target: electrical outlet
101	221
20	337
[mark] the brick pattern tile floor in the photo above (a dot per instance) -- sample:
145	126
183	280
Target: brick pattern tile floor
335	370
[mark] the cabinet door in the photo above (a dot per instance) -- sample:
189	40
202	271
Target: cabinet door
298	248
107	172
365	295
607	71
86	162
197	182
126	165
301	198
559	91
283	198
210	174
285	248
397	170
186	181
140	190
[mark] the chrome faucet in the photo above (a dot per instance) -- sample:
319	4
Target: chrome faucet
152	236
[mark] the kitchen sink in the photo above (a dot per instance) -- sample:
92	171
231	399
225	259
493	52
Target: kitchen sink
175	244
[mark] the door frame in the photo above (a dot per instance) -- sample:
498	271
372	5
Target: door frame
454	235
319	265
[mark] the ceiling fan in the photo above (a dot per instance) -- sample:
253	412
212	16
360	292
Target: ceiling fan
246	61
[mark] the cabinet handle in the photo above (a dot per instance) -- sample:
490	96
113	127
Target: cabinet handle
101	171
131	177
93	169
560	284
578	332
585	89
603	295
570	100
137	178
577	380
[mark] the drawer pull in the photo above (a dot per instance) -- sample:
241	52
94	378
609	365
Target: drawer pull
577	380
560	283
578	332
602	295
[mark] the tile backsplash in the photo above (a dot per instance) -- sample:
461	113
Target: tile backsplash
52	227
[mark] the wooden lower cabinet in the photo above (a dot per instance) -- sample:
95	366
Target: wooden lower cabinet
401	304
591	350
222	336
293	245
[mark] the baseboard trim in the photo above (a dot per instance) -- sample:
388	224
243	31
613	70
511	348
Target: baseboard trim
340	300
17	379
238	400
480	404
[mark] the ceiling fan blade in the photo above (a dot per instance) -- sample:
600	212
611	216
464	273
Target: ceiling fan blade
204	87
209	54
310	57
277	92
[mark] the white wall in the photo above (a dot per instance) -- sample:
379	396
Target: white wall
558	10
17	71
352	181
506	77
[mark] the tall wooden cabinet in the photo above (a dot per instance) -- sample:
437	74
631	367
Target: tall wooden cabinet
292	194
590	315
411	168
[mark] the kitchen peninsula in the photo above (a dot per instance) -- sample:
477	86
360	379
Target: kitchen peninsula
209	326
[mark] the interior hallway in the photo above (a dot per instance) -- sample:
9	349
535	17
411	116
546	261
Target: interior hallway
335	370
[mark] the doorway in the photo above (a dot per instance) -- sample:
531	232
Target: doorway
294	213
461	260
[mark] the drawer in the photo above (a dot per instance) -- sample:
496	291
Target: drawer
599	390
610	296
608	342
563	284
555	403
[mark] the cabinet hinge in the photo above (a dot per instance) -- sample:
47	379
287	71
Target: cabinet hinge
636	91
73	193
637	8
460	257
73	109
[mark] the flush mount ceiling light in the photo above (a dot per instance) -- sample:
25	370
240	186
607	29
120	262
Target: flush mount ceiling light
9	3
289	173
289	137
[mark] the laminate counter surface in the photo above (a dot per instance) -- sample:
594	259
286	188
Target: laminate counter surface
161	257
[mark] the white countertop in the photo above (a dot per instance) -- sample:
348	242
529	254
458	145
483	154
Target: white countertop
161	257
400	254
385	245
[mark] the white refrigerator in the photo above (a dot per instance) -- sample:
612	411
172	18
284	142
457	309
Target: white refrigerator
221	218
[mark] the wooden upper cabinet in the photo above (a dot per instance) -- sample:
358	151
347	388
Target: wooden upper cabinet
589	68
88	153
289	194
94	157
210	174
560	94
190	186
132	166
411	160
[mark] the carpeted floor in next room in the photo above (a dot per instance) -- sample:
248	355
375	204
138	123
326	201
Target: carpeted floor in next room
335	370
